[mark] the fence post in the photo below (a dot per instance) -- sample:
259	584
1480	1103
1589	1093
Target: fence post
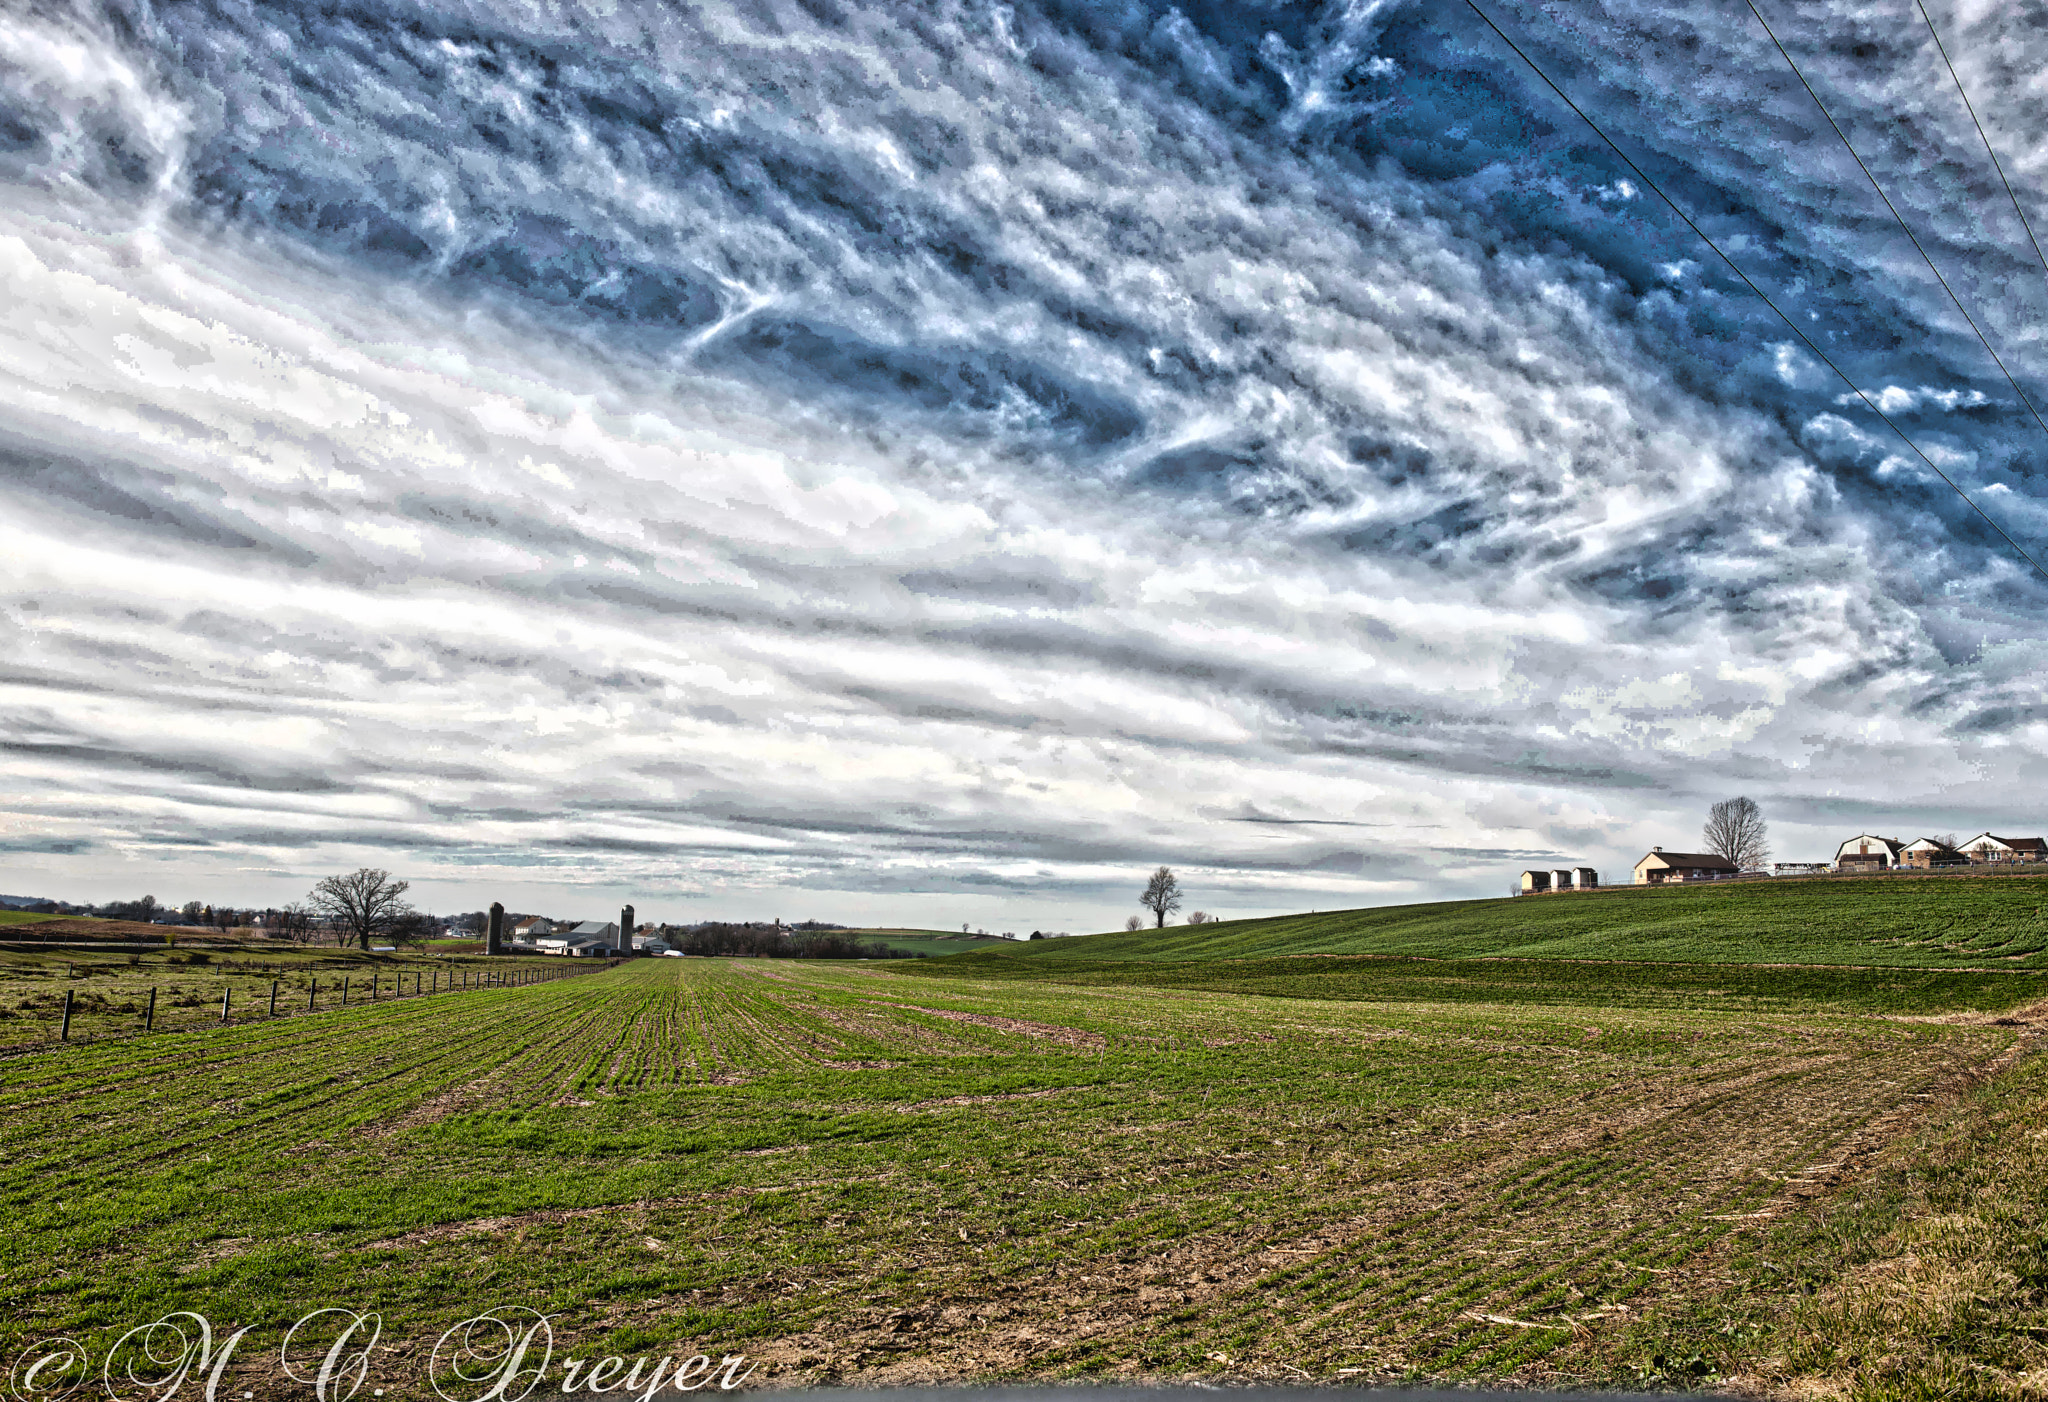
344	990
64	1032
273	997
149	1018
225	990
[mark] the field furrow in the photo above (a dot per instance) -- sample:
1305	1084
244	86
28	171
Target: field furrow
862	1174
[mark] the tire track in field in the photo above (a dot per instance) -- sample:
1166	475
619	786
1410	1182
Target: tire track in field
464	1050
146	1143
1407	1273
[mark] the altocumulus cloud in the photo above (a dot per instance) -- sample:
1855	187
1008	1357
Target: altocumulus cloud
936	461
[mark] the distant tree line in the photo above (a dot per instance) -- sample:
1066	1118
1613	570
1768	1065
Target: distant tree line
812	940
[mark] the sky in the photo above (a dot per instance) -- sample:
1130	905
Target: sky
931	464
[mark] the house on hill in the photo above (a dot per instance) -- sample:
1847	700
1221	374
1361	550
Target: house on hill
1659	867
1864	852
1986	848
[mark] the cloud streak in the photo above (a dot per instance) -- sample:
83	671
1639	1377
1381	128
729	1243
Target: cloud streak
964	455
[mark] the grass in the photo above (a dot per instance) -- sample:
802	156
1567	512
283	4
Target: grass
865	1173
1897	922
1929	1279
1529	982
24	917
933	943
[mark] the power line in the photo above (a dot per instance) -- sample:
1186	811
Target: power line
1969	107
1806	340
1904	228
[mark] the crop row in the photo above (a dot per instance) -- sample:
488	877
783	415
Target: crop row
765	1148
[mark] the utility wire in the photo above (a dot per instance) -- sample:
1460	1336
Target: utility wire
1903	226
1806	340
1969	107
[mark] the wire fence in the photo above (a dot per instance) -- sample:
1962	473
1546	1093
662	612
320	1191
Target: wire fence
124	1007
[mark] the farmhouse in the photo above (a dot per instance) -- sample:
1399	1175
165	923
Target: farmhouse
1864	852
1659	867
1931	852
526	929
1986	848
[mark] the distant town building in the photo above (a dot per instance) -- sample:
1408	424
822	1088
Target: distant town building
1659	867
1864	852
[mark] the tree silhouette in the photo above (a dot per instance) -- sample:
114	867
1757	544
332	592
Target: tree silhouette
1735	830
1162	895
363	905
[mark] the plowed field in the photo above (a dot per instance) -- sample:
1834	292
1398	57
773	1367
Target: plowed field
852	1173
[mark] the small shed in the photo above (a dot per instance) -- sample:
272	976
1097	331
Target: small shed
1585	878
1534	881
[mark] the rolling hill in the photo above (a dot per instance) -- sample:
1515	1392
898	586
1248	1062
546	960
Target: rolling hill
1942	922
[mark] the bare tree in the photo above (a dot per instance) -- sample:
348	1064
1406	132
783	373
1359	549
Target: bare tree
1134	923
1162	895
295	923
1199	917
1735	831
364	905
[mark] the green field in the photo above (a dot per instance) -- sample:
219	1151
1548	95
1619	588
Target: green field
932	943
1537	982
1166	1156
1903	922
23	917
868	1173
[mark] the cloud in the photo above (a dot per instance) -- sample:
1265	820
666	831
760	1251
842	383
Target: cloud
731	451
